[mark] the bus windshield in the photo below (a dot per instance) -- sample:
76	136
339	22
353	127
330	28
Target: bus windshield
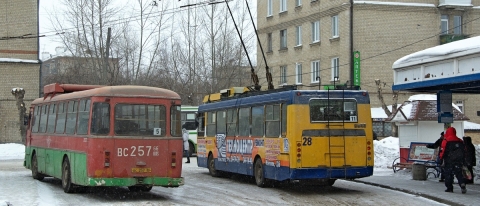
333	110
140	120
189	120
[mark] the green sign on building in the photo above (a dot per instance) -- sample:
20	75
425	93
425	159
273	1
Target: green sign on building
356	68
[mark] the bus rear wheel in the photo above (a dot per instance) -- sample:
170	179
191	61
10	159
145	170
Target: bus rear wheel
258	172
35	174
211	167
67	184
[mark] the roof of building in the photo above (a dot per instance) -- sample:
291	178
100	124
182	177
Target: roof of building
422	110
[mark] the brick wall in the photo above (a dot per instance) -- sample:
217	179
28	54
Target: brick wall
18	18
382	34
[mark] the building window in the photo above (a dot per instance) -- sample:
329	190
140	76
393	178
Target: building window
283	5
269	42
283	75
269	8
459	104
298	71
298	33
283	39
444	24
457	24
298	2
315	31
315	71
335	68
335	26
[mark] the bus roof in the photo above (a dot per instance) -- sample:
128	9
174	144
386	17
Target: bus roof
289	97
115	91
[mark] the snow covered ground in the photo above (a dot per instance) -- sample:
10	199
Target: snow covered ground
386	151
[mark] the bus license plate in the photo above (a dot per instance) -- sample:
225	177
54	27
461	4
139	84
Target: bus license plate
141	170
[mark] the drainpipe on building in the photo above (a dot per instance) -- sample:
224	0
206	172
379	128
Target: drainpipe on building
351	44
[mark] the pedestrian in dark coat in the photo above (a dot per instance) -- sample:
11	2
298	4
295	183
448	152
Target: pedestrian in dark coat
436	145
453	156
470	158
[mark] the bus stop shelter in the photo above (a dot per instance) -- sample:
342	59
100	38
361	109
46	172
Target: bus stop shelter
444	69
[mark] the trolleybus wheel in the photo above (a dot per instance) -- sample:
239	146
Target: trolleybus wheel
66	177
35	174
211	167
259	177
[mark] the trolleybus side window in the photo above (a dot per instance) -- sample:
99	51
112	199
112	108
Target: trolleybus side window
43	119
100	118
244	121
175	121
211	126
36	119
221	122
272	120
51	118
83	116
231	122
258	123
71	117
61	118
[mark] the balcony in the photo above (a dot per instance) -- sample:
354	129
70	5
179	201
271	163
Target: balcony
447	38
454	4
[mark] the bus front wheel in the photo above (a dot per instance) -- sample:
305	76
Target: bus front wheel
259	176
35	174
66	177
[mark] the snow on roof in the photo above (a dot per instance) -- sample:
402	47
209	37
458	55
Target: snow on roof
422	110
422	97
378	113
395	3
18	60
450	50
470	126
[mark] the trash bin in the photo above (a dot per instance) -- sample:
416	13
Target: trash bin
419	171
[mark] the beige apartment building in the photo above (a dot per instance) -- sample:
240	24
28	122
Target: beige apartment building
19	62
311	43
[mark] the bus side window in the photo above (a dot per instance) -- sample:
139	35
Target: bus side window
83	116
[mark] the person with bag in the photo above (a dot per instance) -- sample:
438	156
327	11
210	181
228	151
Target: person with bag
470	159
436	145
453	156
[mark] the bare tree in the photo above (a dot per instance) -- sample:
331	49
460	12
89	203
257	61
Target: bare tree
384	105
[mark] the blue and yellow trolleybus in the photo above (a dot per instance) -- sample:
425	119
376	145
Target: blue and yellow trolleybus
287	135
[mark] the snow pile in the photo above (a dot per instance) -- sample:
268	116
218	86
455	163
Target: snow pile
386	151
12	151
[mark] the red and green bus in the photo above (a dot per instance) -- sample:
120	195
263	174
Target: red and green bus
90	135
